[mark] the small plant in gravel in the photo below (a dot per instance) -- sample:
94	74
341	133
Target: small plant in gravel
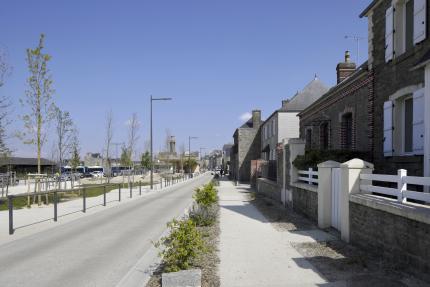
215	182
182	246
204	216
205	212
206	196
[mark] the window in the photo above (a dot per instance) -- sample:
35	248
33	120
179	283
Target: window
324	135
273	127
405	26
408	111
404	123
308	144
409	24
347	132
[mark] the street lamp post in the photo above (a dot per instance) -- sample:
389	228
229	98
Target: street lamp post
189	153
152	155
202	148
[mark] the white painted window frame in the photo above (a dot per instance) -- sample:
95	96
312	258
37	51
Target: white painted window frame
402	101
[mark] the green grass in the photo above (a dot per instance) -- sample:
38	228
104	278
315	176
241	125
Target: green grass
91	190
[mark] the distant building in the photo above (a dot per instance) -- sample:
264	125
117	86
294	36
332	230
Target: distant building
247	147
215	159
226	156
24	165
93	159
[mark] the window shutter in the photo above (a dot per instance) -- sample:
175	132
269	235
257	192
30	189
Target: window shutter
420	20
388	128
389	34
418	122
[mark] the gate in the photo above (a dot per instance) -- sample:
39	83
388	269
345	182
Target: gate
335	193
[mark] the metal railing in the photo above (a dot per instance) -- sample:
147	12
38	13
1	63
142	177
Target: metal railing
166	182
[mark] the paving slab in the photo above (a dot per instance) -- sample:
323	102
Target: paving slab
254	253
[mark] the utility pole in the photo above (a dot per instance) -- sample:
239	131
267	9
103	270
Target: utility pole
152	155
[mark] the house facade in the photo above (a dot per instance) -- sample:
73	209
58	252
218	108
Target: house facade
342	117
398	48
283	124
246	147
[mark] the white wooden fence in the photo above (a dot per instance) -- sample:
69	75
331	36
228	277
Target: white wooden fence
309	176
402	180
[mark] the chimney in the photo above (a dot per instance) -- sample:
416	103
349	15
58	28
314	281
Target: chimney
256	118
285	103
345	69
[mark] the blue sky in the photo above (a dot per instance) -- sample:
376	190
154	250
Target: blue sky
217	59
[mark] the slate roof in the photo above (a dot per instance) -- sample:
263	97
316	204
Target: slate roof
249	124
368	8
359	71
303	99
25	161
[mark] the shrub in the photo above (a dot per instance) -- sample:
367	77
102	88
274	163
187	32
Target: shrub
313	157
206	196
215	182
182	246
204	216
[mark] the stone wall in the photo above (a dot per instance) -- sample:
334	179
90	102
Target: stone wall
398	233
305	200
280	165
287	166
269	188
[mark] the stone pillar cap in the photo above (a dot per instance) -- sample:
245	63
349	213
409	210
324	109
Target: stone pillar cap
329	164
356	163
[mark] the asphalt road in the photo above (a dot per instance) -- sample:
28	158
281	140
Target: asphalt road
97	250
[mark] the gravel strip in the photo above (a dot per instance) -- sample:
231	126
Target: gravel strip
335	260
282	219
208	262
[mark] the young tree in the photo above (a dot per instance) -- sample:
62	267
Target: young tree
75	159
181	155
145	160
125	157
5	70
38	98
109	137
65	132
133	136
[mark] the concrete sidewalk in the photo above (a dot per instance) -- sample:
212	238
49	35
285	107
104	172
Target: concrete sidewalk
253	253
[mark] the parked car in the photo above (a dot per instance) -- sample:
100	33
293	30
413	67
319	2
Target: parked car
65	176
97	174
87	174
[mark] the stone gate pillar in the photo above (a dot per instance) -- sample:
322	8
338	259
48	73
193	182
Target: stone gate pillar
350	184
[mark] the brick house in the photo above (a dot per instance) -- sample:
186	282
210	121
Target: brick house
339	120
398	58
247	147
